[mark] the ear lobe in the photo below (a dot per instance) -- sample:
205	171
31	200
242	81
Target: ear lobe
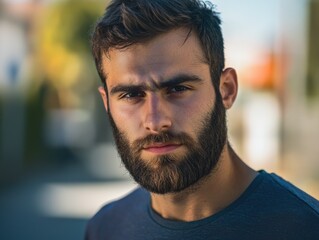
228	87
104	97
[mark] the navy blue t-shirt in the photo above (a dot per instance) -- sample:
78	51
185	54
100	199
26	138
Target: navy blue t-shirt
270	208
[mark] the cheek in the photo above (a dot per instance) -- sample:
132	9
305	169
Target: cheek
189	119
193	111
127	119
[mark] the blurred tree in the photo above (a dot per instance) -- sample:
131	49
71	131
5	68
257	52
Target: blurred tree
63	51
63	75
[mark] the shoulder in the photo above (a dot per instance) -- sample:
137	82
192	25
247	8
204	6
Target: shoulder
276	209
112	214
286	205
281	191
122	205
296	194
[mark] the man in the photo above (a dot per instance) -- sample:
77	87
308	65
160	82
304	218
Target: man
166	92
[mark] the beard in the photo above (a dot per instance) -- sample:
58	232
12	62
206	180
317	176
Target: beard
172	173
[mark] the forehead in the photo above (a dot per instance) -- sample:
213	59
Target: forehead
176	52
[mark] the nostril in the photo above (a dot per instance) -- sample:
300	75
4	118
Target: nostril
157	123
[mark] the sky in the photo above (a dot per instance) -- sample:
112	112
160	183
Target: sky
249	26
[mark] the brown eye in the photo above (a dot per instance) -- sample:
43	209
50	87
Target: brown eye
132	95
177	89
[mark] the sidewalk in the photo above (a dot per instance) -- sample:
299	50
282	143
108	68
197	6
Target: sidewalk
55	204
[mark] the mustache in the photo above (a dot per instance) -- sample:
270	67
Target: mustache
162	137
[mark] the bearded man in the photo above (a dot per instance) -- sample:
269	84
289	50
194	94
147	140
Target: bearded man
166	91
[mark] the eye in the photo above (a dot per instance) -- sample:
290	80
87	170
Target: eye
133	95
177	89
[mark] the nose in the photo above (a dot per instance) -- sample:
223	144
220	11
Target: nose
156	115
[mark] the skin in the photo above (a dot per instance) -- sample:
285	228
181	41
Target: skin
141	105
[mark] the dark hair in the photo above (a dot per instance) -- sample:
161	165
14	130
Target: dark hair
126	22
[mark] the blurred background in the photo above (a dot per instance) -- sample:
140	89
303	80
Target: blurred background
58	164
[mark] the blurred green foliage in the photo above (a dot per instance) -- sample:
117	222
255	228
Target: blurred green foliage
63	75
71	22
63	59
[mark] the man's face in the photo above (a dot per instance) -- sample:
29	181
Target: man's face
168	123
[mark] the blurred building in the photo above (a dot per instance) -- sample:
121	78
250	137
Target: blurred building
15	27
276	120
51	112
56	144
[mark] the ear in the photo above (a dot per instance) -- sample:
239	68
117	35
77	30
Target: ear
104	97
228	87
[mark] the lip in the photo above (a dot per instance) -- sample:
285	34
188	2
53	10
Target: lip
161	148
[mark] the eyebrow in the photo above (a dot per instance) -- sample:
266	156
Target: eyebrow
178	79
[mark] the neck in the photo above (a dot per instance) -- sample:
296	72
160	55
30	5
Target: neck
210	195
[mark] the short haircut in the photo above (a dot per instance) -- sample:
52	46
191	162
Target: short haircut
128	22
